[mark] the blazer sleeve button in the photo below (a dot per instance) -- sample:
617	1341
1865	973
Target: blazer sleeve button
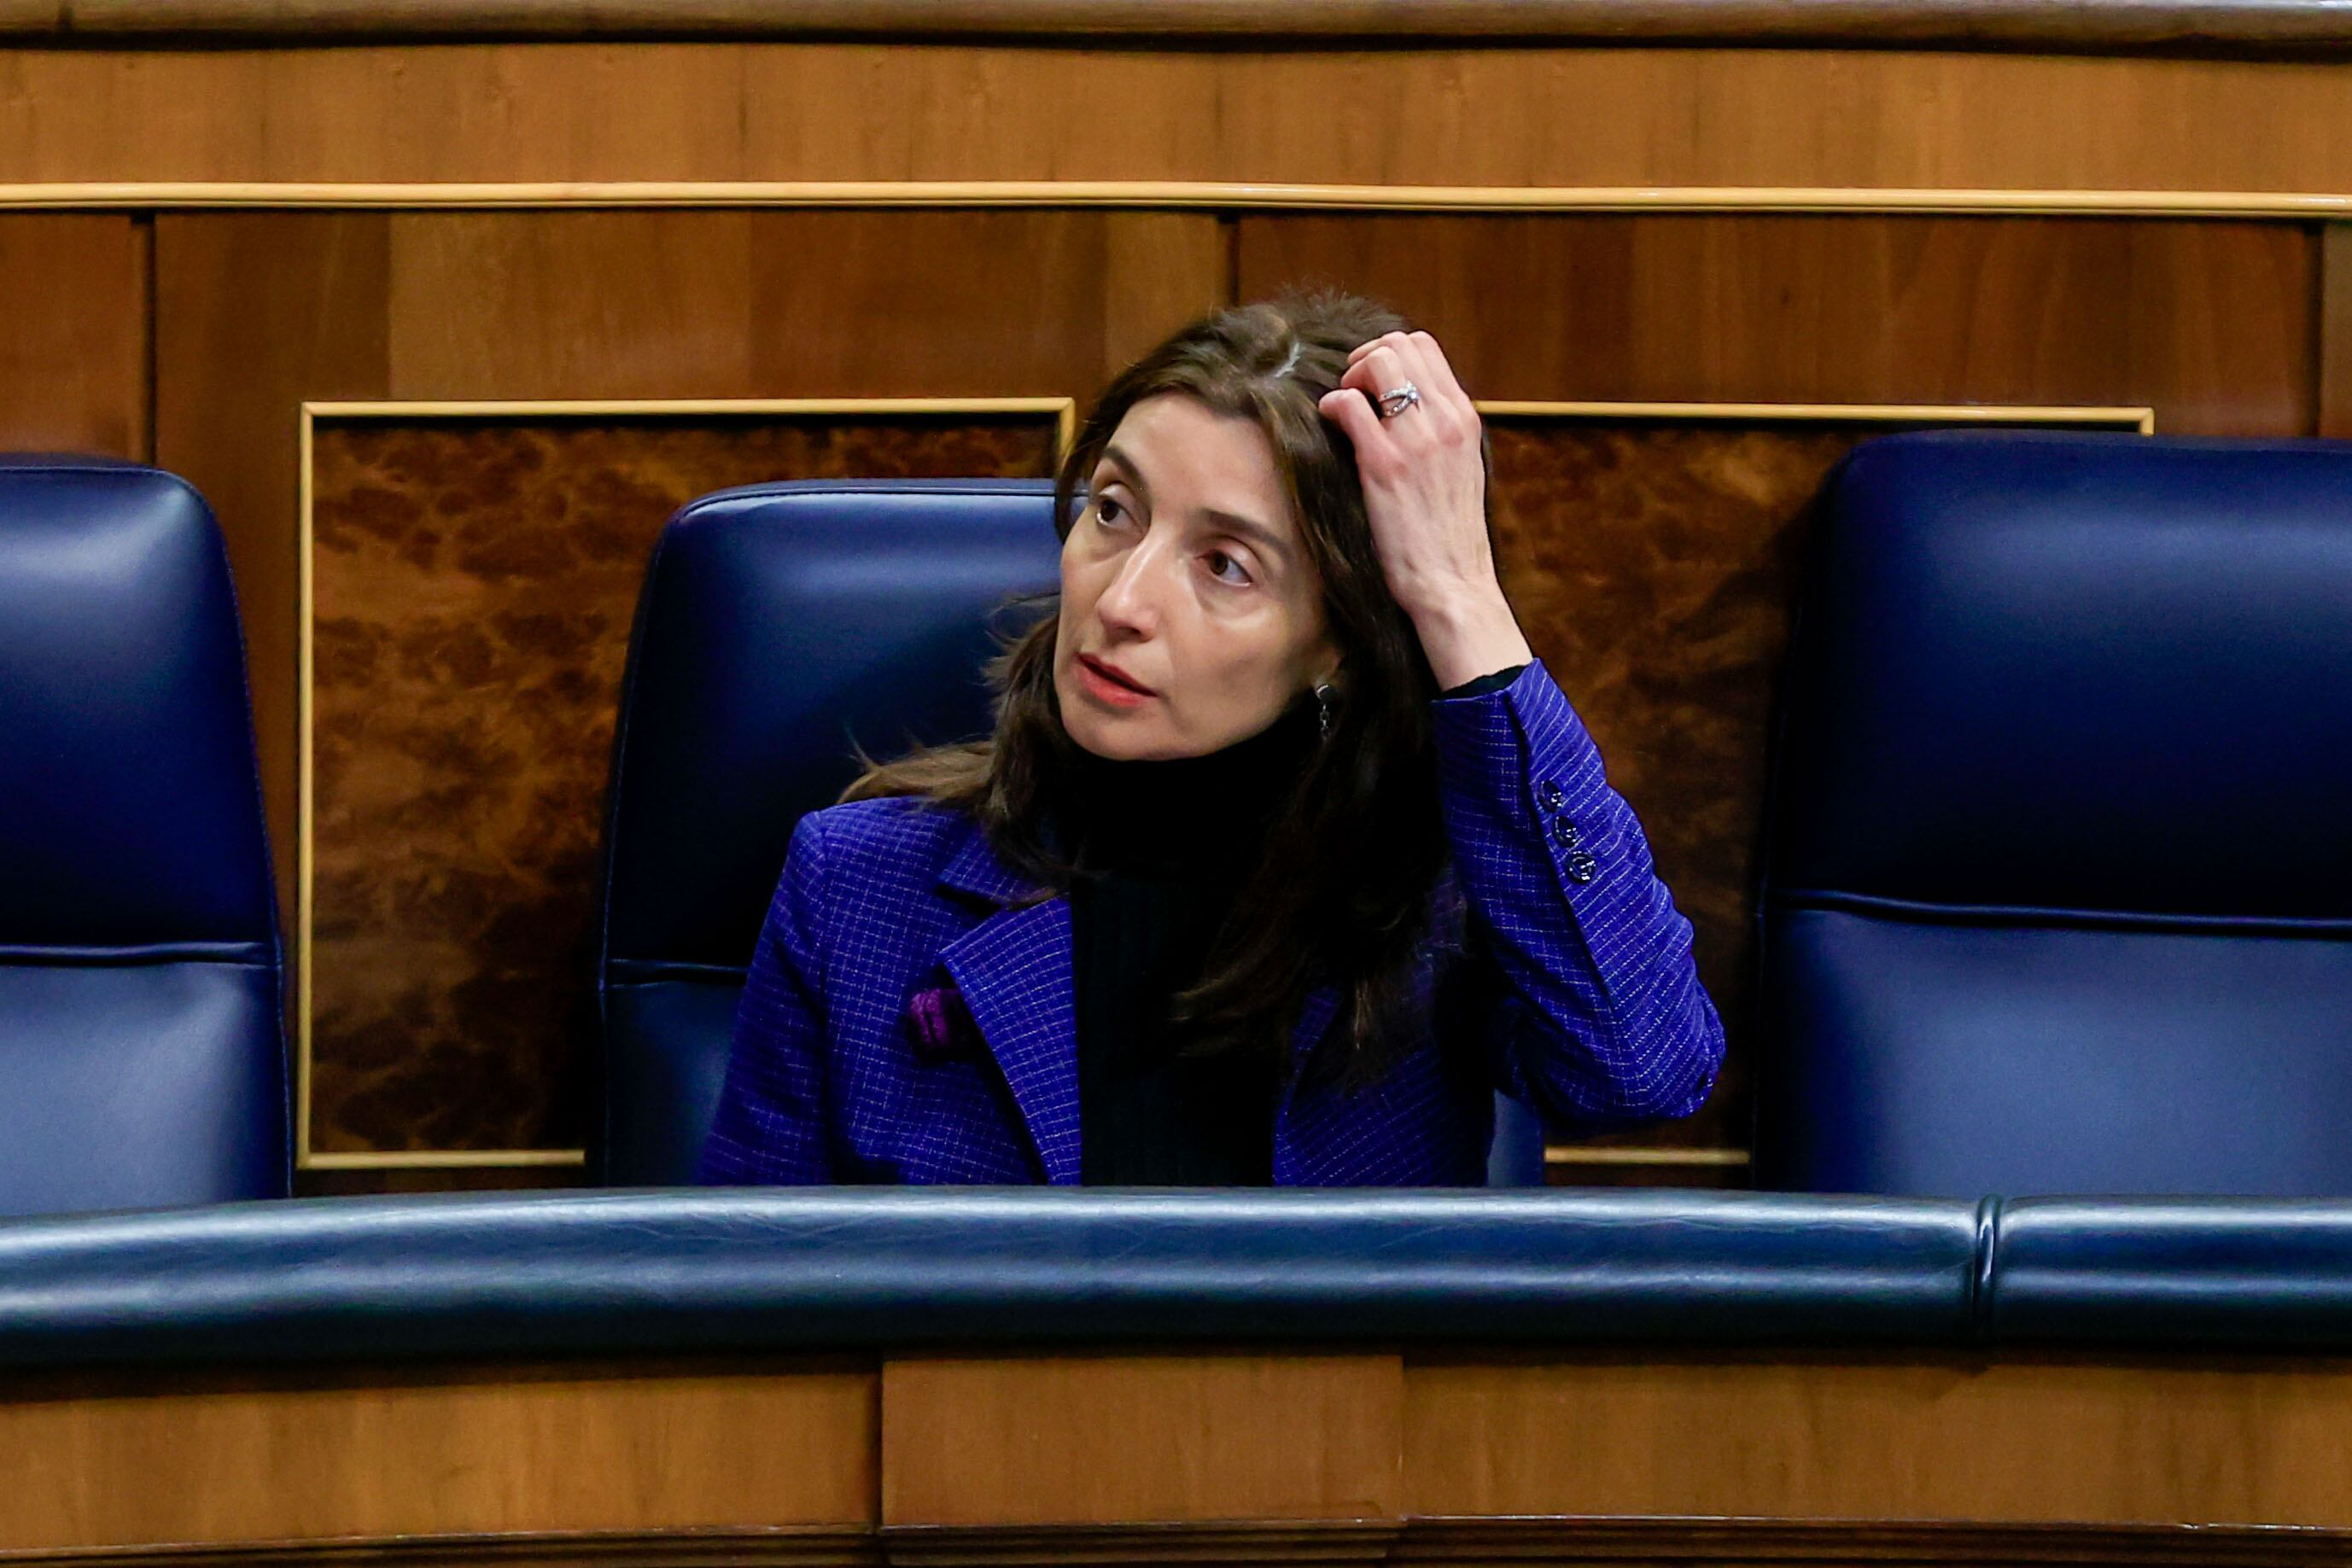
1564	833
1581	867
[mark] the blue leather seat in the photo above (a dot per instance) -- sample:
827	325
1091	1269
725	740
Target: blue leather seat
141	1043
777	623
2059	880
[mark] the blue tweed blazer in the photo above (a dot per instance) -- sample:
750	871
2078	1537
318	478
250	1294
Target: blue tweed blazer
904	1022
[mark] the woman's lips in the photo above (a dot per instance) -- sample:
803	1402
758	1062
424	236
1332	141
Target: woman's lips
1102	687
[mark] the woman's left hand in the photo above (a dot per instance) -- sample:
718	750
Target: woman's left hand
1425	488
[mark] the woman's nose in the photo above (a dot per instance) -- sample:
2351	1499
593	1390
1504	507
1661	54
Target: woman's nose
1132	598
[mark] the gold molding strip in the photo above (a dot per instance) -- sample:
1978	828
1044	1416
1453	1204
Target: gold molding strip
2138	418
1571	1155
437	1159
144	195
1066	424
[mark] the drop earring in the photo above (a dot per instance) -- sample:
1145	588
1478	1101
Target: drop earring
1325	699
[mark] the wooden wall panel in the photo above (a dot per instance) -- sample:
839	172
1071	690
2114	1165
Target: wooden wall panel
1095	1439
1471	116
305	1456
260	311
473	583
2174	1440
256	313
788	303
268	310
73	358
2211	324
2335	417
553	305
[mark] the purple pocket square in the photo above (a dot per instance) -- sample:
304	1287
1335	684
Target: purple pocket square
941	1025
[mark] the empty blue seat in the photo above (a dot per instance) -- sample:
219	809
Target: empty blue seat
142	1041
2059	880
779	622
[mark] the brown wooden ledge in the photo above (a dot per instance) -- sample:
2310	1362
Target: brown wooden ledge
2298	27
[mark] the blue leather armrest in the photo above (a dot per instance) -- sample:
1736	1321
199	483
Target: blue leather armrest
663	1273
2237	1274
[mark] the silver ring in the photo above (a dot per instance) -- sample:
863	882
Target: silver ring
1396	399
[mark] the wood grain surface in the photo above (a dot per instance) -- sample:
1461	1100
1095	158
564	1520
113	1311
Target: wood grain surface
254	314
1623	118
2335	393
209	1458
2202	26
73	360
1229	1456
1870	1437
2211	324
1081	1440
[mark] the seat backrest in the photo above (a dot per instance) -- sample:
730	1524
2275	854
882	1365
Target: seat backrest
142	1041
777	623
2059	877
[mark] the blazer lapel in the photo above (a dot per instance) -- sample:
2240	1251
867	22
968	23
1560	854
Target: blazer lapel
1014	970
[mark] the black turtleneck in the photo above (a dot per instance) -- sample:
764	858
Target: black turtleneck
1162	849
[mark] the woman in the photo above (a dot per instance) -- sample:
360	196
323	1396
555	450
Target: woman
1284	855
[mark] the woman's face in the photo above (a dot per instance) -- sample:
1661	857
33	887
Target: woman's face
1186	576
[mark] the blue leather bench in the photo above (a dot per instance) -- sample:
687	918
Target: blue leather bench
526	1275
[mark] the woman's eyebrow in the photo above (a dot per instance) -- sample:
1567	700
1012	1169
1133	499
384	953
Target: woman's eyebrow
1258	534
1126	465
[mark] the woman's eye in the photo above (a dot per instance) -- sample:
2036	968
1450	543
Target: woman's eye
1104	509
1219	559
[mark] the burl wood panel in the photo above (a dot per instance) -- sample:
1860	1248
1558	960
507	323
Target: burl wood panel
1652	567
2176	1440
1101	1439
73	360
473	583
204	1458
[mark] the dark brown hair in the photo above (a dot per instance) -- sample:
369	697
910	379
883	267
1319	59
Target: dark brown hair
1341	893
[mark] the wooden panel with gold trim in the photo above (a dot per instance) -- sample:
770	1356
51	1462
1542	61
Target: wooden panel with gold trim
1090	1440
1480	115
317	1457
1841	1435
1215	1455
469	571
